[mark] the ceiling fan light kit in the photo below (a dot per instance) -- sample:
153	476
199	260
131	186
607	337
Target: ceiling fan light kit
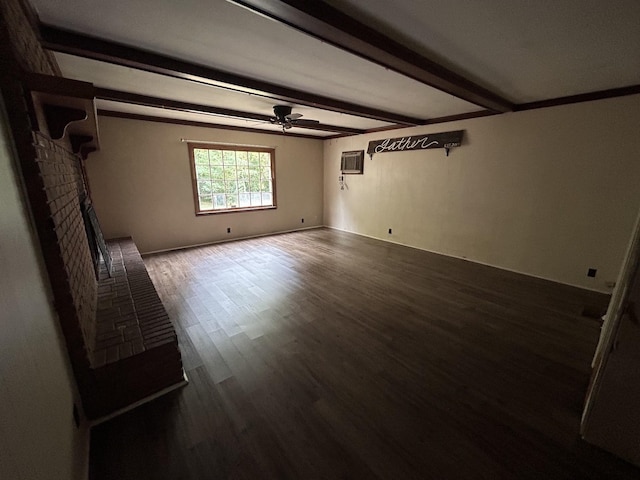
286	119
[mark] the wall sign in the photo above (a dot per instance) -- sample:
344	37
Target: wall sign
444	140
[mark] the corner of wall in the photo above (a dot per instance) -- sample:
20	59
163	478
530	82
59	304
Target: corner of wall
41	439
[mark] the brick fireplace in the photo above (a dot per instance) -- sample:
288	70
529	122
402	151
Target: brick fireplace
119	338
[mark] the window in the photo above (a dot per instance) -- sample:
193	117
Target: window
231	178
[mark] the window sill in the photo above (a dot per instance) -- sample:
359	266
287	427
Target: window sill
234	210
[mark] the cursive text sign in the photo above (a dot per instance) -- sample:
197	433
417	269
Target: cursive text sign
421	142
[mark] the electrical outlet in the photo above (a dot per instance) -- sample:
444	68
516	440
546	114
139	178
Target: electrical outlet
592	272
228	229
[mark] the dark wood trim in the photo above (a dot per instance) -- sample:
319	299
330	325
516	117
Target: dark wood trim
62	108
554	102
58	118
385	129
583	97
194	181
243	148
149	101
232	148
326	23
190	123
146	100
87	46
204	213
341	135
461	116
53	85
433	121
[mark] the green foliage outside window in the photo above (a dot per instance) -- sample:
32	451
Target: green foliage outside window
229	179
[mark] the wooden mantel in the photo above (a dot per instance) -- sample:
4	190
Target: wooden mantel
65	110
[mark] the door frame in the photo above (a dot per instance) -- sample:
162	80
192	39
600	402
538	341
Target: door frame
615	311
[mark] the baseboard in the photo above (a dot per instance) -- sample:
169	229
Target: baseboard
607	292
128	408
81	471
215	242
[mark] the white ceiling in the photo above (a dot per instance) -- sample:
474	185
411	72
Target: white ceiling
111	106
524	51
126	79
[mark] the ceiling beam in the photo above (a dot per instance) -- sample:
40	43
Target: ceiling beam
582	97
190	123
330	25
86	46
148	101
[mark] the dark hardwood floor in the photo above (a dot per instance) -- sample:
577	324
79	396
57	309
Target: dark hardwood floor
325	355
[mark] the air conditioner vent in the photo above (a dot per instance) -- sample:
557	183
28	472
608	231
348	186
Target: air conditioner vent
352	162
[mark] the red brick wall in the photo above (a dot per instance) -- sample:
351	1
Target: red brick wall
53	181
62	181
50	172
19	20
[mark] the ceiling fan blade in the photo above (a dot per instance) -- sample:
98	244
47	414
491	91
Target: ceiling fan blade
293	116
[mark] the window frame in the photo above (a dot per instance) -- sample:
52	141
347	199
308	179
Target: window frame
234	148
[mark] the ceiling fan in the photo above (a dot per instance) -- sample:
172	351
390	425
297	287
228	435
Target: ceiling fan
286	119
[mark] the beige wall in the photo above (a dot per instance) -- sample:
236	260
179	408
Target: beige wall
141	185
548	192
38	439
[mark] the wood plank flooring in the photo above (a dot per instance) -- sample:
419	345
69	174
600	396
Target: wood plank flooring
325	355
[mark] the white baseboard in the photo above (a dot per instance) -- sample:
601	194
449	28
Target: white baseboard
474	261
128	408
215	242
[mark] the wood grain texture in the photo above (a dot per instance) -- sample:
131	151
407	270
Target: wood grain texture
322	354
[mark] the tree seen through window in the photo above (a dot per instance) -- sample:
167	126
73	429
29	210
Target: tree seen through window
231	177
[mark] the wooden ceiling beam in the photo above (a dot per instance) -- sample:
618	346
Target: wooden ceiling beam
330	25
94	48
190	123
582	97
149	101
